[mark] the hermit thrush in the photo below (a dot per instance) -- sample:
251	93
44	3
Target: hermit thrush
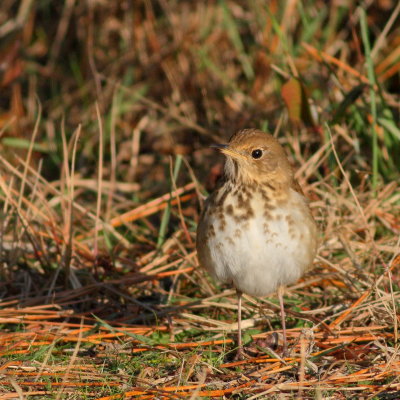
256	231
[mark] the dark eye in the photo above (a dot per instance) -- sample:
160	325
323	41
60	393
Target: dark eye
256	153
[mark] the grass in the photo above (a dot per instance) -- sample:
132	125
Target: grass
107	112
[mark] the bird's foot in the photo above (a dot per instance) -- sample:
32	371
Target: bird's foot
240	354
272	343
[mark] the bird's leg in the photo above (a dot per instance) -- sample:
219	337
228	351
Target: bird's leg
239	354
283	319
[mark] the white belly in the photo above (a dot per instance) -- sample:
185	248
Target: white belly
257	258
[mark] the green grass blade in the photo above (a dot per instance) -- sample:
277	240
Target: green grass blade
234	35
372	80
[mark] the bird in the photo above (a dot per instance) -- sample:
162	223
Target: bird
256	231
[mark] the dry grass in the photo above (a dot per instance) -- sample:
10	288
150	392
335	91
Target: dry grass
106	113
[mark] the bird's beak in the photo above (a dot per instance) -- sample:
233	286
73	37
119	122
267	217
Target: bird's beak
220	146
225	149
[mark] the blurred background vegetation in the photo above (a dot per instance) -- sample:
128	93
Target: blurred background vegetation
185	73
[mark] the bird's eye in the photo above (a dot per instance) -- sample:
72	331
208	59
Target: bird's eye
256	154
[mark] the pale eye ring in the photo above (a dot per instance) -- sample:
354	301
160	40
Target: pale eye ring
257	153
